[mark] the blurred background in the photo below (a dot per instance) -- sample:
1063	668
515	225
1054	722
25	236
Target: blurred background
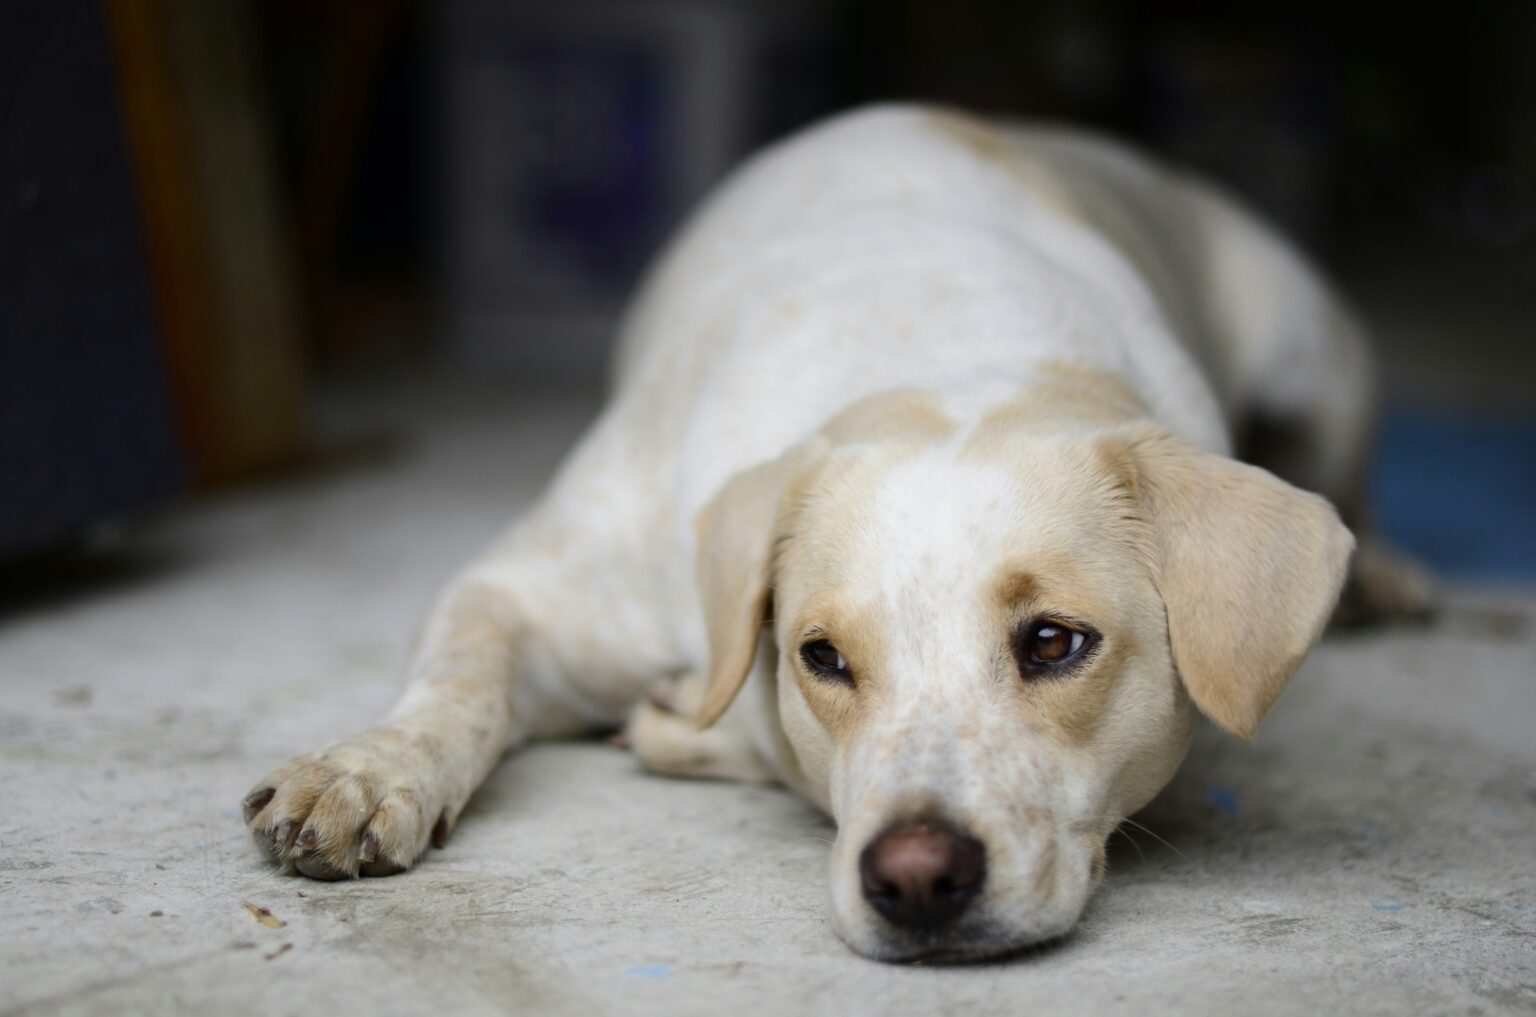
218	217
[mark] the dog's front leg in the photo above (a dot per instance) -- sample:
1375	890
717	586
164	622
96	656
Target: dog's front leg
663	732
371	804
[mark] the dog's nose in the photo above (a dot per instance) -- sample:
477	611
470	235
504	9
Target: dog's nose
922	875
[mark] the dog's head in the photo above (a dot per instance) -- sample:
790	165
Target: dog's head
992	644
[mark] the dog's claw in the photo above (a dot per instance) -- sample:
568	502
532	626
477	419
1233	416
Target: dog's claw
282	837
256	801
380	869
369	851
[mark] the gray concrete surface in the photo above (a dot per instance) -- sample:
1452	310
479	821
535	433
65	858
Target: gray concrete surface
1373	853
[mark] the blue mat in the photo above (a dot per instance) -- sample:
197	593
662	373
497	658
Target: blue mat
1459	492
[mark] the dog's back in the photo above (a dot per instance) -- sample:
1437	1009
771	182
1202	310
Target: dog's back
939	249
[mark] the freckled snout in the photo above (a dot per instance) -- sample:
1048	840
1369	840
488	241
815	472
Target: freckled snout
922	876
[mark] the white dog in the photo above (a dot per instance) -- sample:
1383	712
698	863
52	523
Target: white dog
917	488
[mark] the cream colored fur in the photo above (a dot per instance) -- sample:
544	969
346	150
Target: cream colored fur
908	381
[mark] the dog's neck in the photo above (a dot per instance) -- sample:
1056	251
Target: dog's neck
1057	396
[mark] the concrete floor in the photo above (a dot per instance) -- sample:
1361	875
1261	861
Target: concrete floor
1373	852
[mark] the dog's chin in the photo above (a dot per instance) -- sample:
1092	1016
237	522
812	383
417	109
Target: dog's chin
979	945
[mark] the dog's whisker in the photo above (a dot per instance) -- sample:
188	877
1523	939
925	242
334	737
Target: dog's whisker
1160	839
1090	824
1140	853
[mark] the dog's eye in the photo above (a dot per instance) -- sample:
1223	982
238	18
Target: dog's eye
1052	644
1045	645
825	660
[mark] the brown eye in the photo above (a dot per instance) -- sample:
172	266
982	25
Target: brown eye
825	660
1051	644
1045	646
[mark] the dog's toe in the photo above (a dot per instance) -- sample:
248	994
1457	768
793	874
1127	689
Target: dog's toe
390	841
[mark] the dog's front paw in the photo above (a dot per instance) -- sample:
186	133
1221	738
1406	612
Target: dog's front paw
664	733
366	806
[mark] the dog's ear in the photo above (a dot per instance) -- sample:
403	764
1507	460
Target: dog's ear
737	531
1249	569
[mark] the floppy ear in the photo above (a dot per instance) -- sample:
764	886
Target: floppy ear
736	532
1249	570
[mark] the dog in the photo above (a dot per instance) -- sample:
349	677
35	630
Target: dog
917	494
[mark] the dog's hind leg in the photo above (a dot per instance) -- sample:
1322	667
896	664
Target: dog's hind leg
1303	390
1325	443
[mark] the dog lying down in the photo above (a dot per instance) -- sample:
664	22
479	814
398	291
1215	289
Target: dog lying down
917	492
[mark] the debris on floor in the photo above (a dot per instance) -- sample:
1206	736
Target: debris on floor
264	916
